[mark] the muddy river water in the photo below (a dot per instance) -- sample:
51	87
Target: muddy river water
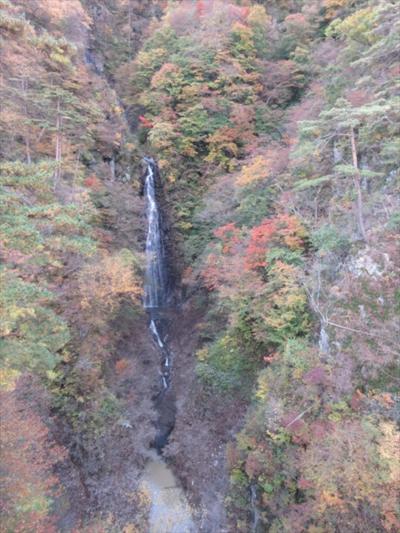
169	509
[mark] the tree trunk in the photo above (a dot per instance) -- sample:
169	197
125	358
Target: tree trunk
24	88
58	156
130	30
28	150
357	186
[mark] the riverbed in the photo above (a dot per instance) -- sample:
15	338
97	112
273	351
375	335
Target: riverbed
169	509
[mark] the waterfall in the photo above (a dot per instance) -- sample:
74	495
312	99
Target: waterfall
156	283
169	509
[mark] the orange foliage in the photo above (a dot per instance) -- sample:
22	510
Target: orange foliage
145	122
210	272
270	163
284	228
336	466
239	12
242	117
224	266
200	8
229	235
28	456
296	20
226	274
260	237
121	365
92	182
358	97
102	285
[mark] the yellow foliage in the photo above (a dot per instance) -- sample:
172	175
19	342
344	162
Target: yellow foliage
389	448
329	499
60	58
358	26
8	377
102	285
337	465
130	528
262	386
258	16
257	170
333	6
162	136
163	163
202	354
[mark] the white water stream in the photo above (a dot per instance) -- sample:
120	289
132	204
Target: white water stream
156	283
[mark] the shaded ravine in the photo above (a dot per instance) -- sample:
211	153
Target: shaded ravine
157	303
169	509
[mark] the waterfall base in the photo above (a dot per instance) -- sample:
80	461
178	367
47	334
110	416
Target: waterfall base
164	400
166	410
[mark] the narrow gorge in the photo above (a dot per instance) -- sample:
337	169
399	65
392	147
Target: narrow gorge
169	509
199	248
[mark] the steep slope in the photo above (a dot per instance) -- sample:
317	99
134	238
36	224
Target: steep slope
75	351
275	126
276	132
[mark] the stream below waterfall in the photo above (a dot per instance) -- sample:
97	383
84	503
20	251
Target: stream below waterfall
169	509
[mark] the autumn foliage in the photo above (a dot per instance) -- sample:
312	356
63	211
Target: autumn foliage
102	285
275	127
28	457
283	229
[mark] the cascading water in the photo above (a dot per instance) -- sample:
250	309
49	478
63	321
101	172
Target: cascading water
169	510
156	288
157	300
156	283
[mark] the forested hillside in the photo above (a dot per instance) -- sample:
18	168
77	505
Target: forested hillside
275	126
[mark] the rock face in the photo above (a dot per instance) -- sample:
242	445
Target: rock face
126	22
370	263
